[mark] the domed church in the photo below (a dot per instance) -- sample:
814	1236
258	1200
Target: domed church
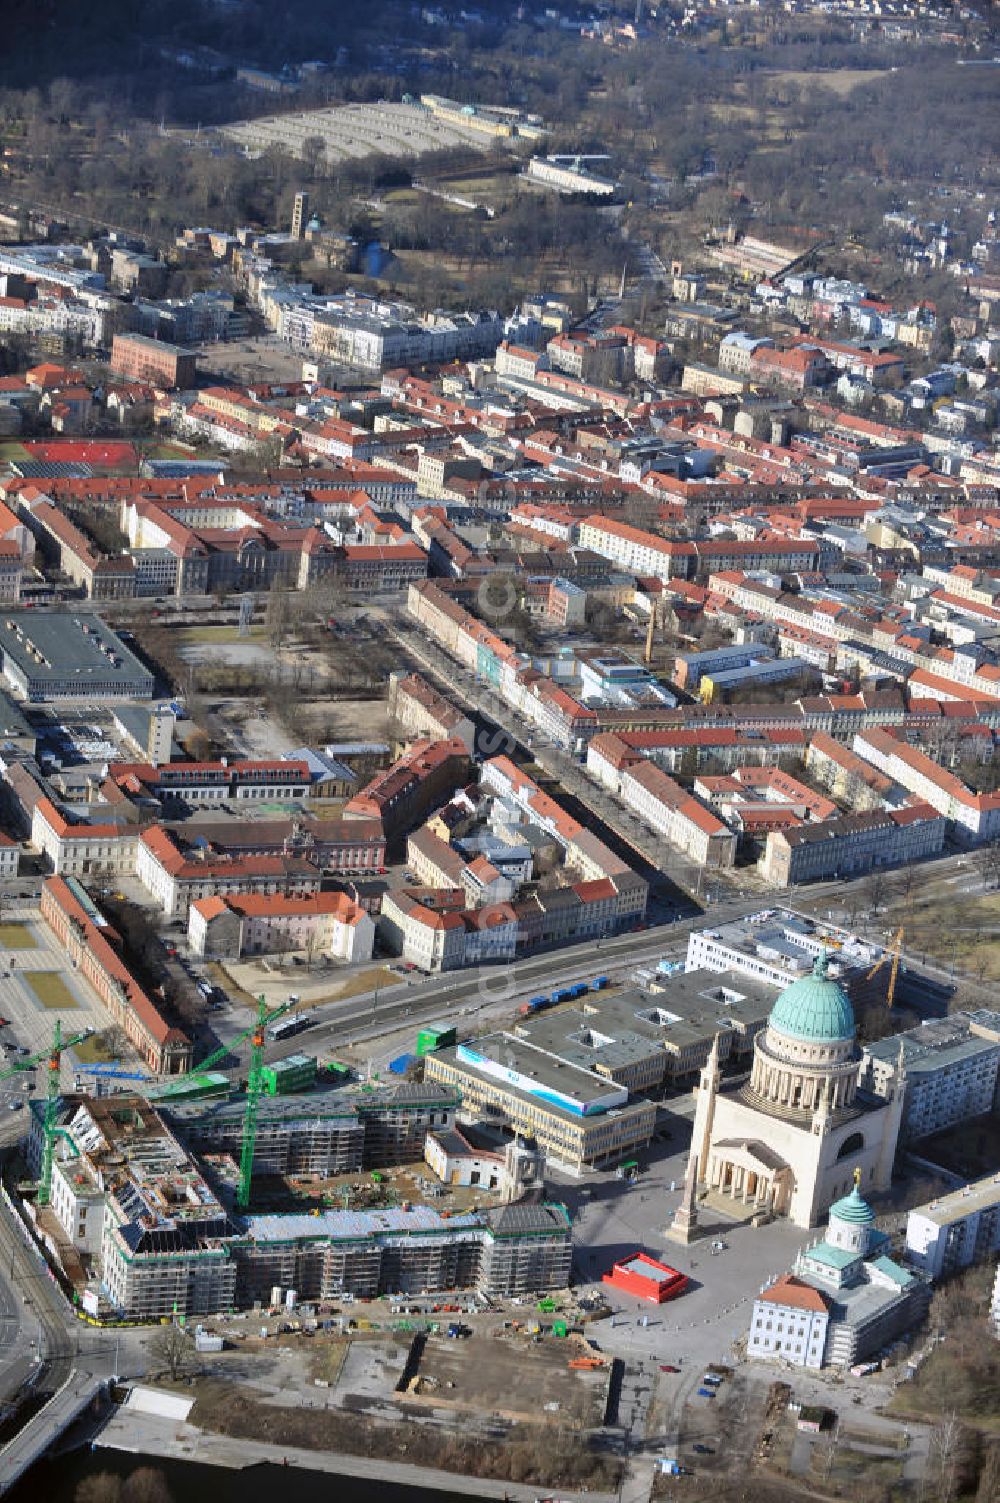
787	1140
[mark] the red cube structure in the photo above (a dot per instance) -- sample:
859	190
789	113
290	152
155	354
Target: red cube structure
644	1277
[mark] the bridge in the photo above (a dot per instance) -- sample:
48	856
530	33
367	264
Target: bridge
44	1428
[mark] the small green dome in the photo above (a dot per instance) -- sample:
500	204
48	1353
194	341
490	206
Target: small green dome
853	1208
815	1009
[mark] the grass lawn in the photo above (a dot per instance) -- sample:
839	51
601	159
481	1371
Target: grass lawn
92	1052
363	981
50	989
17	937
201	636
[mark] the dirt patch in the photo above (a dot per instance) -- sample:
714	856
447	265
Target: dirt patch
553	1457
524	1381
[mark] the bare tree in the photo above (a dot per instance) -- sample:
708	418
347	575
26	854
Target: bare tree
876	891
988	862
943	1445
172	1347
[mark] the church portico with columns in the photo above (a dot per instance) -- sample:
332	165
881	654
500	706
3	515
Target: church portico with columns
751	1174
786	1141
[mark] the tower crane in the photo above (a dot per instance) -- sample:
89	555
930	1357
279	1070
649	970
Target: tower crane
53	1059
183	1082
255	1084
894	950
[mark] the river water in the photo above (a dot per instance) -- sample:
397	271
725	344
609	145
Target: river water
73	1478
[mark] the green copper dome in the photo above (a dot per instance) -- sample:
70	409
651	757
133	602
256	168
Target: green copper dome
853	1208
815	1009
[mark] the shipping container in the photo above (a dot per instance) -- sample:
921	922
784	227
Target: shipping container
435	1036
402	1063
286	1076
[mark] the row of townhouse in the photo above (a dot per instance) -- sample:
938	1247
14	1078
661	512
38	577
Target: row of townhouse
974	817
852	844
429	928
176	879
321	923
92	949
421	711
585	854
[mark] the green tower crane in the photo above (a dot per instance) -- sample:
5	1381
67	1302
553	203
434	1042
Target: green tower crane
53	1059
181	1083
255	1085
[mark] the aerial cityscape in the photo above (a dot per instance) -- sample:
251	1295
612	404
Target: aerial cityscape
500	751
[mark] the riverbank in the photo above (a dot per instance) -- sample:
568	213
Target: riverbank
149	1435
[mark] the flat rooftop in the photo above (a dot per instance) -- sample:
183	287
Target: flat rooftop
787	943
612	1031
53	646
321	1102
933	1046
981	1195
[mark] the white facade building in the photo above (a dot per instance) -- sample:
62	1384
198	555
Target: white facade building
955	1230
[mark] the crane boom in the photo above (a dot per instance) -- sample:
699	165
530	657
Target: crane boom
19	1067
52	1106
183	1081
894	951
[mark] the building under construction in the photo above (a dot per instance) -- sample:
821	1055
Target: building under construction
329	1131
509	1250
139	1231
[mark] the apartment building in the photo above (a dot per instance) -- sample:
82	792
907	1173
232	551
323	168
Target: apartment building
678	816
422	712
320	923
137	358
638	551
852	844
91	946
124	1189
955	1230
973	817
426	775
437	938
82	850
951	1069
11	571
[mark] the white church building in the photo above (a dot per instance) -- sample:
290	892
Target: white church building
787	1141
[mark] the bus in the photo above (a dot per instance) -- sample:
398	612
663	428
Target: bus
285	1028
